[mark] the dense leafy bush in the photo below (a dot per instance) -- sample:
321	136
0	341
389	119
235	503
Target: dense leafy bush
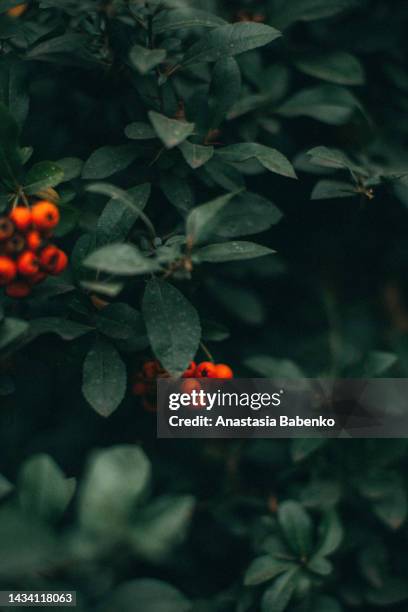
184	141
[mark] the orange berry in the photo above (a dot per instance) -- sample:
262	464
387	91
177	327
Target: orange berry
190	385
18	289
206	369
14	245
8	270
21	217
140	388
45	215
223	371
6	228
53	260
18	10
151	369
34	240
28	264
191	370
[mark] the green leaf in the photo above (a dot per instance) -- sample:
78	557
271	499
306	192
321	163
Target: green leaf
120	322
202	220
276	597
109	160
231	251
333	158
109	289
144	59
327	190
270	159
196	155
52	48
172	325
330	534
393	591
64	328
5	487
296	527
104	378
302	448
218	172
134	200
320	565
121	259
388	495
140	131
248	214
71	167
43	489
226	70
115	481
27	545
178	191
13	89
183	18
265	568
339	67
10	161
214	331
161	526
284	13
327	103
41	176
377	363
11	330
171	132
230	40
270	367
241	302
118	216
149	595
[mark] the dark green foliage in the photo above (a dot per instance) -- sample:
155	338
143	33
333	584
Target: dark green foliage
233	173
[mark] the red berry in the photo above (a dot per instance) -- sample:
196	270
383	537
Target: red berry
53	260
18	289
27	264
206	369
21	217
8	270
34	240
45	215
223	371
191	370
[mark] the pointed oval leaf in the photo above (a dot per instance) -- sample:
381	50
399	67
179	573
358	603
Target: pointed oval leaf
109	160
115	481
276	597
172	325
104	378
231	251
270	159
121	259
229	40
41	176
296	526
171	132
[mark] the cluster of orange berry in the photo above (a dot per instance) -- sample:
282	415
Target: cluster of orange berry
26	255
145	381
18	10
